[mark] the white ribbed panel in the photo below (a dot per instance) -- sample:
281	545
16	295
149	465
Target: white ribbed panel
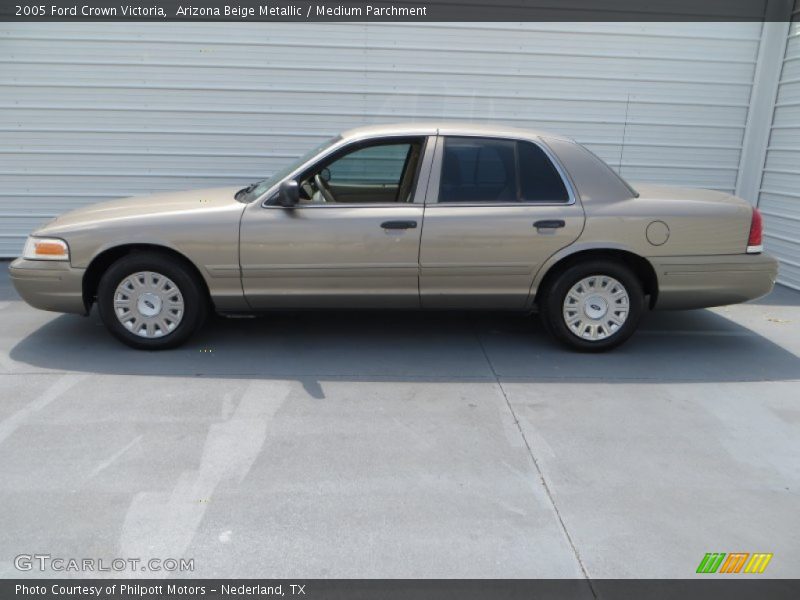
779	197
90	111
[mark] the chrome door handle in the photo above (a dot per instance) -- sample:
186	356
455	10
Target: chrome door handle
550	224
399	224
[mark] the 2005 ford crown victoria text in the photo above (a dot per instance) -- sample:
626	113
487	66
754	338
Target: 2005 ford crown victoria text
406	217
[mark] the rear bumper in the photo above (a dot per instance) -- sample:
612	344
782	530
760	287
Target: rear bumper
701	281
49	285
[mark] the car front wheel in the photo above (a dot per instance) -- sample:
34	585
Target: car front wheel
593	306
151	301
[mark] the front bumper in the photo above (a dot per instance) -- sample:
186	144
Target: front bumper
702	281
49	285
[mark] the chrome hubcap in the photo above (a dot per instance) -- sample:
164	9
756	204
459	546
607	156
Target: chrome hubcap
148	304
596	307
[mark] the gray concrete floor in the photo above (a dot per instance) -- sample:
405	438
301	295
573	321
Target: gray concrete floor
404	445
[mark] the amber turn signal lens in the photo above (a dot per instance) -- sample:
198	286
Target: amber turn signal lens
50	249
45	249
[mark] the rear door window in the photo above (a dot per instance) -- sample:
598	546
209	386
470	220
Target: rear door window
484	170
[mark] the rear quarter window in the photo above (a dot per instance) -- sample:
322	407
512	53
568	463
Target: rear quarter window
539	180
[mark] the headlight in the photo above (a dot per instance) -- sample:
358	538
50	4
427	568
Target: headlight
37	248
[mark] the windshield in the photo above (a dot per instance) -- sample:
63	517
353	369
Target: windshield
254	190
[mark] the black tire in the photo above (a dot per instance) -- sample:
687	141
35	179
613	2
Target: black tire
190	289
551	306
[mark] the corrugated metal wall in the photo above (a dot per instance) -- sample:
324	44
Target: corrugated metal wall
90	111
779	197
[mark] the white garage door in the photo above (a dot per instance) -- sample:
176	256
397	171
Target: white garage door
779	198
90	111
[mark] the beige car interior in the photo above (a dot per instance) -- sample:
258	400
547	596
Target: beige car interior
374	174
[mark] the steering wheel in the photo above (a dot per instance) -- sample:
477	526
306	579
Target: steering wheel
323	188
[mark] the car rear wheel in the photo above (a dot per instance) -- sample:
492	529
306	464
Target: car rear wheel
151	301
593	306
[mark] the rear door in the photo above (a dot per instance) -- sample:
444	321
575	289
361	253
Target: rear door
496	209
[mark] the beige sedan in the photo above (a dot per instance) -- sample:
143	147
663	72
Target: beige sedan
406	217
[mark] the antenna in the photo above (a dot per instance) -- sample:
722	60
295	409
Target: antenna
624	131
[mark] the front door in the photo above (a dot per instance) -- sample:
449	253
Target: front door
352	242
497	209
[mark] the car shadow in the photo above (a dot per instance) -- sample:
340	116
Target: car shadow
673	347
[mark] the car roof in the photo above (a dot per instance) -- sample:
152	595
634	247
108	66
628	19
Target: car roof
447	128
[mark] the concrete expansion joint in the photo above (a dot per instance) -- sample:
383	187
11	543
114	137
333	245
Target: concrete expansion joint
538	468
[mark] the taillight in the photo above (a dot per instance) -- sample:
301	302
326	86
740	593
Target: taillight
754	243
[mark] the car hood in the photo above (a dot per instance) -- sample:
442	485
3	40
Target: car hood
143	206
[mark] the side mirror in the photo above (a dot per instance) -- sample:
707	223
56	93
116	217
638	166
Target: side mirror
289	193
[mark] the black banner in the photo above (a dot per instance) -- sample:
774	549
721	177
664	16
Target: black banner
397	10
712	588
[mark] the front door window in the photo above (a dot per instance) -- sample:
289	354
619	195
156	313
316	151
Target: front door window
375	174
